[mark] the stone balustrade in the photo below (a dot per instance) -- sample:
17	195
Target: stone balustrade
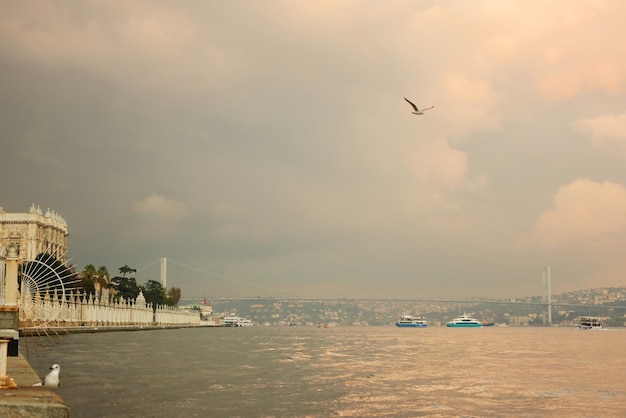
75	309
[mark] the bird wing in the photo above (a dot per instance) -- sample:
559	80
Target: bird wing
428	108
411	103
52	379
51	383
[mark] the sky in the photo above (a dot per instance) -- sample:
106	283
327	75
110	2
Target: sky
265	147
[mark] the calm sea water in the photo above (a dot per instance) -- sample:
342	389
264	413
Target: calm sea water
343	372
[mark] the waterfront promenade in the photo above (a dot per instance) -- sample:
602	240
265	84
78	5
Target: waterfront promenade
28	401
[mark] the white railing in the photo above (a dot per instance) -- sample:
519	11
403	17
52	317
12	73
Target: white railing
84	310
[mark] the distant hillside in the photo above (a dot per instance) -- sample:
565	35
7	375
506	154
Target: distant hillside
565	307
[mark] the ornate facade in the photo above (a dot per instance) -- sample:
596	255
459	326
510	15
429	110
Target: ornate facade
34	232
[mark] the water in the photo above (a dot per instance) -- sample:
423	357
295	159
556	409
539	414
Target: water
342	371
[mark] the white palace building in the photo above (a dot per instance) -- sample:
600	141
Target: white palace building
34	232
35	295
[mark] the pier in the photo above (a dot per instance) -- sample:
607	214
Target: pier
31	310
28	401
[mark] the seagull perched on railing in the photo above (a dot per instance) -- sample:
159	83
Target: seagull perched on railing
52	379
417	111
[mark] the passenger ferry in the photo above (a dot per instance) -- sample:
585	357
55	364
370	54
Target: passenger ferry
408	321
236	321
464	321
590	322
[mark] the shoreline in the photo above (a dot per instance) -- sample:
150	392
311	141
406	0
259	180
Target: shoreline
31	401
27	400
90	329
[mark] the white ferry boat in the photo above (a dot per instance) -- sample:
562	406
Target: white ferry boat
464	321
590	322
236	321
409	321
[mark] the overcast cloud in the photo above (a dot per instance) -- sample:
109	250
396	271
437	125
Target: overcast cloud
266	147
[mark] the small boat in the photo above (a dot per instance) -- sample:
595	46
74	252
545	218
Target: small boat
464	321
590	322
408	321
236	321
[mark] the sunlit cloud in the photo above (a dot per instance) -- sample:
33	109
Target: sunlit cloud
585	214
224	209
280	128
160	207
159	218
436	163
606	132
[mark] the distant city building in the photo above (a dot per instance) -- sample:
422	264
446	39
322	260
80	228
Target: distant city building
519	321
34	232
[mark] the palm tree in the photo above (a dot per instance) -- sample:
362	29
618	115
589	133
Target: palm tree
87	280
102	280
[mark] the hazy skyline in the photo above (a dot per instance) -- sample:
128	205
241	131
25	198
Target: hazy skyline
268	145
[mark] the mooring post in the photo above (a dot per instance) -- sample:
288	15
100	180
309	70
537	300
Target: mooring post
5	381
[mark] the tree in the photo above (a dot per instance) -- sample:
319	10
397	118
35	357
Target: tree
87	279
173	296
125	270
154	293
102	280
125	287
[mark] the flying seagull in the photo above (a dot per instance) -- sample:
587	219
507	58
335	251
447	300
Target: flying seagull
417	111
52	379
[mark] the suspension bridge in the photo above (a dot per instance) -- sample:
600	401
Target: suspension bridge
546	301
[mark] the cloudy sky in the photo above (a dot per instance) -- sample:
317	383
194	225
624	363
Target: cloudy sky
265	147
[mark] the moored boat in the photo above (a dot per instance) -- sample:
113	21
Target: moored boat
409	321
464	321
236	321
590	322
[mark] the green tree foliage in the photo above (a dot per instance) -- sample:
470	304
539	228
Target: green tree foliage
126	270
93	281
173	296
102	280
125	287
154	293
87	279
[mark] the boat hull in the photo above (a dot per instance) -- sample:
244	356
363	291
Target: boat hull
410	325
464	322
464	325
592	327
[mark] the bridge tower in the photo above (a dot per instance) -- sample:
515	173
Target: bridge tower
164	272
547	296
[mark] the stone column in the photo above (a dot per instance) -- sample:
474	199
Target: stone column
10	290
9	312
